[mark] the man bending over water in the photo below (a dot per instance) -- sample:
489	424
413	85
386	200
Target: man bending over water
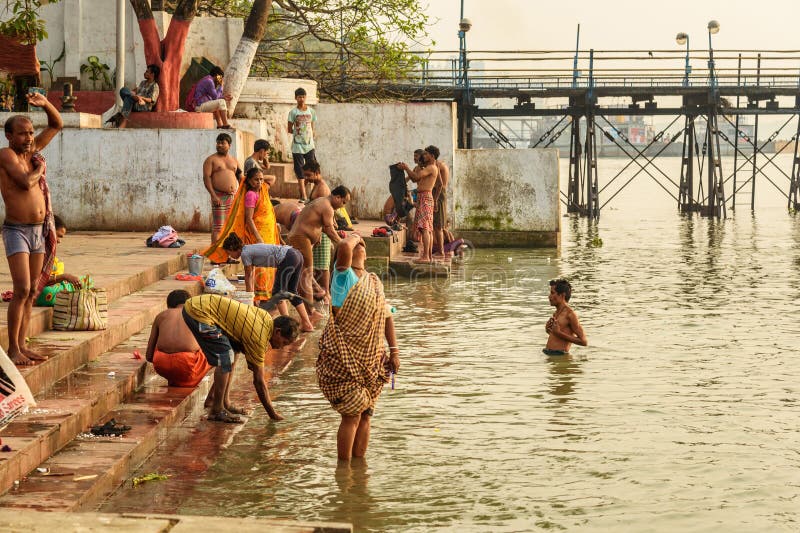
563	327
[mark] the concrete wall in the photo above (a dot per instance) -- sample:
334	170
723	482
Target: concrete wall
132	180
356	143
511	192
90	29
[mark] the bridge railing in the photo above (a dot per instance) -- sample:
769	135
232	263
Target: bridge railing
612	68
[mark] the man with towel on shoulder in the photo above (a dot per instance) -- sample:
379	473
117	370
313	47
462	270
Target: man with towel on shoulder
172	348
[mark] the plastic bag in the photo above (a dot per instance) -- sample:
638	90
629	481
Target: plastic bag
217	283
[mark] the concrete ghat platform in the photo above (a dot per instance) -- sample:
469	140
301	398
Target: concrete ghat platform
119	262
385	255
36	522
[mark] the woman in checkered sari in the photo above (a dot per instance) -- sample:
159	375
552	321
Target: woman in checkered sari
352	366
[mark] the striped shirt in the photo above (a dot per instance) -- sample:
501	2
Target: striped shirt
246	324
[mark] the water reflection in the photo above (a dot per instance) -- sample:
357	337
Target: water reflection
563	371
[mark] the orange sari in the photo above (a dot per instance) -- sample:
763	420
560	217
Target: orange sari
264	219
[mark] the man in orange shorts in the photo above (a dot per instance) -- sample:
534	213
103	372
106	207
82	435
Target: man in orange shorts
172	348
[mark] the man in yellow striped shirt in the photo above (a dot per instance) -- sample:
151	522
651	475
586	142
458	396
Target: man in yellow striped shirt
224	327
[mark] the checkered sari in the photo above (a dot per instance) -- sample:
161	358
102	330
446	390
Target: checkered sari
350	366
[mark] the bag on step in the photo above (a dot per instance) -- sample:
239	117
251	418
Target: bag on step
84	309
15	396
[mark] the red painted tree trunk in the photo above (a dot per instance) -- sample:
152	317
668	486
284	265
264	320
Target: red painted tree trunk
168	55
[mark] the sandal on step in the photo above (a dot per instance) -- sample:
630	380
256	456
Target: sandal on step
110	429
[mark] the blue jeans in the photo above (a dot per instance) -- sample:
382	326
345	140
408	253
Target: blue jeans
128	99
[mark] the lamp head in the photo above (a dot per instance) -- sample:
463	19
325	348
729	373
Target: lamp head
465	25
713	26
681	38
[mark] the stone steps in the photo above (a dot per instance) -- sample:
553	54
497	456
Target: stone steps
74	387
95	467
69	350
121	272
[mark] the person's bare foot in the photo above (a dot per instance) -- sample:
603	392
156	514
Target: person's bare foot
307	327
315	317
19	359
236	410
34	356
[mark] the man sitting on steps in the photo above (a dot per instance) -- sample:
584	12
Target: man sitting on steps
172	348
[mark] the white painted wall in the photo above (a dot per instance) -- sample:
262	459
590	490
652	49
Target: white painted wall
131	179
356	143
90	29
507	190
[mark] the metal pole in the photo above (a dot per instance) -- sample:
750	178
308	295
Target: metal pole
755	142
736	140
713	81
120	78
687	68
575	61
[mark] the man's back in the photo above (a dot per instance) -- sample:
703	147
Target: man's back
320	190
311	219
174	335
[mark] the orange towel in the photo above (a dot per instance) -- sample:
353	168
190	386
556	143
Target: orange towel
181	369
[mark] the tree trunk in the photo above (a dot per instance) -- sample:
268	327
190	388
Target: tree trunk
238	68
167	54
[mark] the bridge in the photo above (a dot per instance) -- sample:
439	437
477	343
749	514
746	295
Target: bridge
708	92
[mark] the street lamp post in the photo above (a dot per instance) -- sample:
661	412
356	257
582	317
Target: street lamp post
465	116
713	27
683	38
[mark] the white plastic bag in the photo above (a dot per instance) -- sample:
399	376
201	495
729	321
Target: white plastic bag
15	396
217	283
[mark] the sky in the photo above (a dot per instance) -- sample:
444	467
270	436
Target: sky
614	24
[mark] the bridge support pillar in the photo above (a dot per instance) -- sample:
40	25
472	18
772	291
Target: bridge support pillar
716	191
794	182
464	114
592	186
686	201
575	203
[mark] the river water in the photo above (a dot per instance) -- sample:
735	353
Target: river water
682	413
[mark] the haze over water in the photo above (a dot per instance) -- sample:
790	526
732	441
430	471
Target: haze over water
681	414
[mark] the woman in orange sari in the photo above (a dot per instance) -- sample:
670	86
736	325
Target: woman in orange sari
253	219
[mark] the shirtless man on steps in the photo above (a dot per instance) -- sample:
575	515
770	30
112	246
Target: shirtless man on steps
220	176
21	168
425	176
312	221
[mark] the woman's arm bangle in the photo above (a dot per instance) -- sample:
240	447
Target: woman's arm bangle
393	348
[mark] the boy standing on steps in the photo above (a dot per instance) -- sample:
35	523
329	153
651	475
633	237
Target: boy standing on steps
301	126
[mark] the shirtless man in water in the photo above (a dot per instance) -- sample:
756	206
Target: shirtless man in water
425	176
21	167
307	229
220	176
563	327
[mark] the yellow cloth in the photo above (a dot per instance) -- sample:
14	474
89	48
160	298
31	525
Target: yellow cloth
264	219
245	324
342	212
350	365
58	267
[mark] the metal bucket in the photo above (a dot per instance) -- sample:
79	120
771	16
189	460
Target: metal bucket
196	265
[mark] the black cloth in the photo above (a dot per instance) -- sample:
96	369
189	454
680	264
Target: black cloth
398	189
